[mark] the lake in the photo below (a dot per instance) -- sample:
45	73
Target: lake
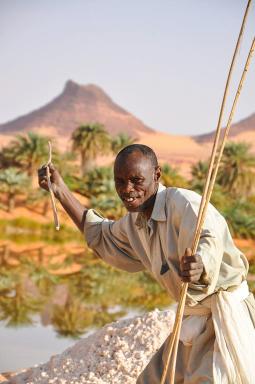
52	294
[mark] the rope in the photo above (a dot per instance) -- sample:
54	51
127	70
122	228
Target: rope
52	197
210	180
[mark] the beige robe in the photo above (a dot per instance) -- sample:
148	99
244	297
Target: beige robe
133	244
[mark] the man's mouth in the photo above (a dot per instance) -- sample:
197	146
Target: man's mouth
129	199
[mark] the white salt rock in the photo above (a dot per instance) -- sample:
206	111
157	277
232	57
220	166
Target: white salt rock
115	354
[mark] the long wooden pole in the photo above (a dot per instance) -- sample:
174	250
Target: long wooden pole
211	175
220	151
210	189
219	124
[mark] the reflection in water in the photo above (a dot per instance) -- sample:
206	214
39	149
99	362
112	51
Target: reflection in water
71	290
50	293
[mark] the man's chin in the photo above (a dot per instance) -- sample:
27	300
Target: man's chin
133	207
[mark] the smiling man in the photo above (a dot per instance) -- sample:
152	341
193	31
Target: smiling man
156	234
136	175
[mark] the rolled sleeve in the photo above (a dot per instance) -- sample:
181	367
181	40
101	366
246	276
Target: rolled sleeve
109	241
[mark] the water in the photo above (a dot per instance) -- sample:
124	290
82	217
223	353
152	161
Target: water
26	346
51	295
23	347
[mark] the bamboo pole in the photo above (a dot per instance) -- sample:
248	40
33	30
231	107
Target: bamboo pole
174	348
210	179
240	85
219	124
52	197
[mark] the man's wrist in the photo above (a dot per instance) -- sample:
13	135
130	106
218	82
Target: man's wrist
61	192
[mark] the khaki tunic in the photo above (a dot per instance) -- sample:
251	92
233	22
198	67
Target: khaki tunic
134	244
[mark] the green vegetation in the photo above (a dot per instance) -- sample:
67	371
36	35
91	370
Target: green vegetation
13	183
99	186
90	140
25	230
172	178
233	193
120	141
27	152
93	296
236	173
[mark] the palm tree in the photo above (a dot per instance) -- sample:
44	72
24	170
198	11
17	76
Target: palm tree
99	185
72	319
8	158
171	178
236	172
99	181
30	151
17	306
240	218
121	141
109	205
90	140
199	171
199	174
66	164
13	182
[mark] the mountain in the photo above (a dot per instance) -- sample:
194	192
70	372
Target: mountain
77	104
243	130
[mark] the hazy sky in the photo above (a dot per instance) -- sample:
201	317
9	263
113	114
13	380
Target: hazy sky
165	61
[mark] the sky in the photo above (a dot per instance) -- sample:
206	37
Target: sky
165	61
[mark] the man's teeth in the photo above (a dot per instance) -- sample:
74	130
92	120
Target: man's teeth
130	199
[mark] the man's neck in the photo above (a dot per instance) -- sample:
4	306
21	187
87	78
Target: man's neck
151	201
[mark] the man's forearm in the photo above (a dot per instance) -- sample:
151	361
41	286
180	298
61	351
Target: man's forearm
75	210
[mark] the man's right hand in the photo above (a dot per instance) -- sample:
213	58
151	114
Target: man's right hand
57	182
71	205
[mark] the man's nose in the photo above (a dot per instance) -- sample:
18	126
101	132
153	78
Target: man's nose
128	187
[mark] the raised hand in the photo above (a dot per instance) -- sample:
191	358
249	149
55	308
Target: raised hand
56	180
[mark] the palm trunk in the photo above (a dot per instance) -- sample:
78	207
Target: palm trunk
11	202
86	165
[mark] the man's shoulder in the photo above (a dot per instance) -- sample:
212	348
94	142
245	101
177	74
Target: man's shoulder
181	194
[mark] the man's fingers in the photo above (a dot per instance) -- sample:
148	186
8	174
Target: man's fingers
44	184
51	167
41	171
191	259
189	266
192	272
191	279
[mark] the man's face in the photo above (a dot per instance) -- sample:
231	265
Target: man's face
136	182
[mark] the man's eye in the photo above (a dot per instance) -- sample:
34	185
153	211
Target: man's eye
137	180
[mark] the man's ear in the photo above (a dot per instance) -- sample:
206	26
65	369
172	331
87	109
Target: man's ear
157	173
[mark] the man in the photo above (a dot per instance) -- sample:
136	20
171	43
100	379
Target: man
157	234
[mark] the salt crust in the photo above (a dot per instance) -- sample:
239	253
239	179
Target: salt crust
115	354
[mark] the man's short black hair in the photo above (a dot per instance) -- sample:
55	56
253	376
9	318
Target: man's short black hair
144	149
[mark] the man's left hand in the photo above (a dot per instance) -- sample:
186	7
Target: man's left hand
191	267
